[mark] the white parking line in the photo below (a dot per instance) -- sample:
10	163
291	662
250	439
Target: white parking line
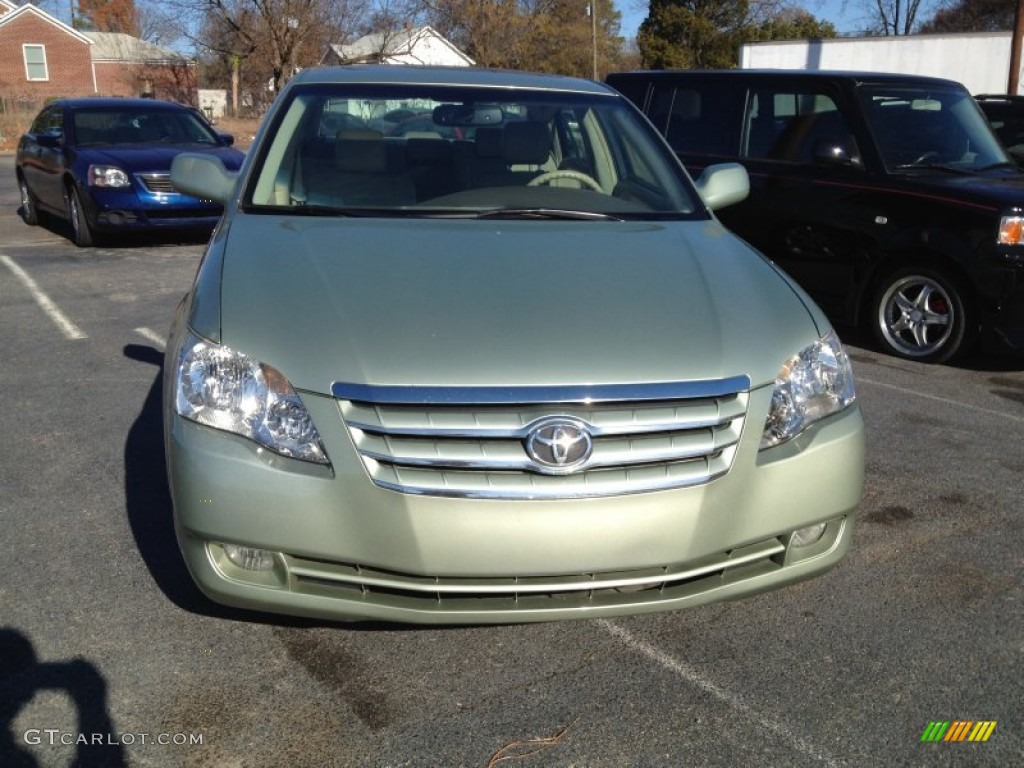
68	328
691	676
948	401
153	336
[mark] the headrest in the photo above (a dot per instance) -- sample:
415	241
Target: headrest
488	142
526	143
360	151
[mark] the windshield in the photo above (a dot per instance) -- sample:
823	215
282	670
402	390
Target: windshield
929	127
413	150
140	126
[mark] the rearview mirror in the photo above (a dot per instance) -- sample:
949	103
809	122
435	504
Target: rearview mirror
467	114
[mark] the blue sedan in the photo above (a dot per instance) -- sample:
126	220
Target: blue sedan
104	165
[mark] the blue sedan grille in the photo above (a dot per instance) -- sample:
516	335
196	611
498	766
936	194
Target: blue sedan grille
157	183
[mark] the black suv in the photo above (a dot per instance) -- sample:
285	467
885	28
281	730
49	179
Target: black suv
887	197
1006	116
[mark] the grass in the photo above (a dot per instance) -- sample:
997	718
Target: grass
242	128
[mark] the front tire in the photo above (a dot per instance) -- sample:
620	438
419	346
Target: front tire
921	314
29	211
83	234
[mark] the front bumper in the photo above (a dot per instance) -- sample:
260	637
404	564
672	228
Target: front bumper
112	211
345	549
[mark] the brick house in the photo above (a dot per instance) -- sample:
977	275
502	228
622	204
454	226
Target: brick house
42	57
127	66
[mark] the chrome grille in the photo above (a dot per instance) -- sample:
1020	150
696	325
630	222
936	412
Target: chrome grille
470	442
158	183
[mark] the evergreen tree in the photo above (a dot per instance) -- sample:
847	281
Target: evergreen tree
695	34
972	16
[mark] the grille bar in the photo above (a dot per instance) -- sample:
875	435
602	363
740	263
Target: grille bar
508	455
159	183
454	422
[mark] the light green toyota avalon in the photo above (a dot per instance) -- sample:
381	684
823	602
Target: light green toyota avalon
470	347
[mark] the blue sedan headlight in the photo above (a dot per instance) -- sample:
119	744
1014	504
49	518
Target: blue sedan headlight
107	176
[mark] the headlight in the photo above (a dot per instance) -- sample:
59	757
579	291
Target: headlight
1011	230
218	387
813	384
107	176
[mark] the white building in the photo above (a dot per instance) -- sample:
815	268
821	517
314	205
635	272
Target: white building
420	45
979	60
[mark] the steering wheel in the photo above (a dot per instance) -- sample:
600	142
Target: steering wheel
565	173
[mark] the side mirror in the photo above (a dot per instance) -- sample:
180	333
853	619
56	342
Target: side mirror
48	140
723	184
203	176
227	139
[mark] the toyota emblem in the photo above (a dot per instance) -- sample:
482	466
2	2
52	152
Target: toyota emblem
559	446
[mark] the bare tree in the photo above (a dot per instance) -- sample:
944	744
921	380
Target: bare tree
155	24
893	17
270	38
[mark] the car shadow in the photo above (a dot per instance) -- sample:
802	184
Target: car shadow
151	515
23	676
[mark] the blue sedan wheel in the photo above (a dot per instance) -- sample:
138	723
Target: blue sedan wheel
29	212
83	234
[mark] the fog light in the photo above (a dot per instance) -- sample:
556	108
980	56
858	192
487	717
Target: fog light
804	537
249	558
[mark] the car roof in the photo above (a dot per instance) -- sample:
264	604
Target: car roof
854	77
457	76
114	103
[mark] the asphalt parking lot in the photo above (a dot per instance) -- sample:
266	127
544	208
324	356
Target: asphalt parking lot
102	633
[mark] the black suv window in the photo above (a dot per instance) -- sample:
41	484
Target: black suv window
696	119
793	125
927	126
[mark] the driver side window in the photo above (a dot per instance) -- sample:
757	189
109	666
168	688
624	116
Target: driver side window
794	126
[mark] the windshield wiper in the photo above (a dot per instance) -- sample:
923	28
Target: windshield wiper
993	166
933	167
544	213
330	210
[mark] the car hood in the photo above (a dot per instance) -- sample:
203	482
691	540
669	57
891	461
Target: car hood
156	157
999	188
477	303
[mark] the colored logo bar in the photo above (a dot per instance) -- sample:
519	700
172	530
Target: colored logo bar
959	730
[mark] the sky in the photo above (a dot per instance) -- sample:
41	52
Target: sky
844	14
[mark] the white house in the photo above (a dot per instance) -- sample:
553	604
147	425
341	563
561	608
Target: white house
422	46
